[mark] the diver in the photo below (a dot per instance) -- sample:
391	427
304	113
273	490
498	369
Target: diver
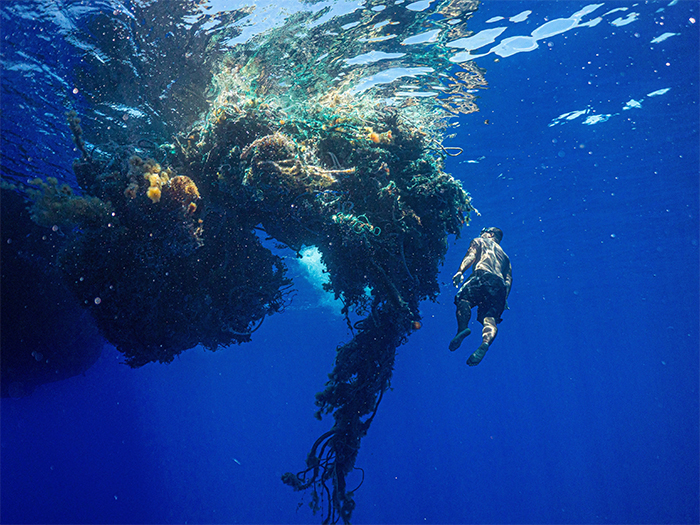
488	288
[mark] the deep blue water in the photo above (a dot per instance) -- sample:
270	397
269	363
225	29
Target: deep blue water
585	410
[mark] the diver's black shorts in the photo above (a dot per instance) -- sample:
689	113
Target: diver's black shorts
485	290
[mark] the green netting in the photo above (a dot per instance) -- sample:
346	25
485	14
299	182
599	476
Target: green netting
166	254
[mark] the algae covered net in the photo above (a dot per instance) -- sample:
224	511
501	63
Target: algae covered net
324	131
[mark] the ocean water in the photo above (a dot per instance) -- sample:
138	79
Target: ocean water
585	153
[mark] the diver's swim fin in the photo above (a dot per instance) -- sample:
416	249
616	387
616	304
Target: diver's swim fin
457	340
477	356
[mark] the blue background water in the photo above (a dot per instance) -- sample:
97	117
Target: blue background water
584	411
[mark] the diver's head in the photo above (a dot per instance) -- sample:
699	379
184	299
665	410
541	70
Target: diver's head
494	232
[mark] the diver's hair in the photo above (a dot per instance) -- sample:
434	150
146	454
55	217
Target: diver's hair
497	233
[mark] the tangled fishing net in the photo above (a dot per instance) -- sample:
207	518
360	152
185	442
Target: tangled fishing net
167	251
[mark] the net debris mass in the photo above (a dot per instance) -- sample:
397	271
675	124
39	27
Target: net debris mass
168	249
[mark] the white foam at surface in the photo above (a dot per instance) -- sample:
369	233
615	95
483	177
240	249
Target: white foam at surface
663	37
422	38
482	38
371	57
592	22
619	22
520	17
554	27
586	11
616	10
520	44
388	76
515	44
595	119
571	115
463	56
421	5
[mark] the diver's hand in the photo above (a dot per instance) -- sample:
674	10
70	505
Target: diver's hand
507	307
457	279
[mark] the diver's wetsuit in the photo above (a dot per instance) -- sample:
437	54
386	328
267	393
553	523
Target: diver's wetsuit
487	288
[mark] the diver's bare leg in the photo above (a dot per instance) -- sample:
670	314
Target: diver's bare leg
488	334
464	313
